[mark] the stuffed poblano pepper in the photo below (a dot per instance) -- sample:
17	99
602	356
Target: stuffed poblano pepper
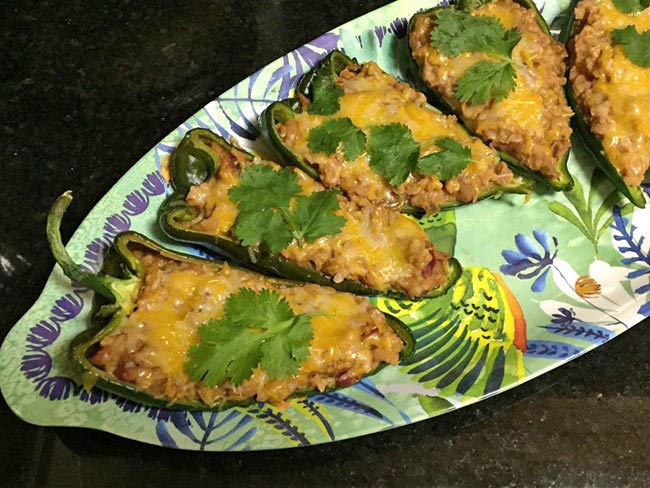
358	128
176	331
282	222
495	65
609	87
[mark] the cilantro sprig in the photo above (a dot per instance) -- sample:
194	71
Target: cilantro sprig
327	137
256	329
447	163
325	97
272	211
457	32
392	151
635	46
631	6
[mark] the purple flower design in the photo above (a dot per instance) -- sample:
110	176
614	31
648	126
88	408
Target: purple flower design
310	54
325	43
42	334
36	365
115	224
154	184
55	388
66	308
128	405
159	414
630	244
93	397
95	253
136	202
564	317
528	261
396	27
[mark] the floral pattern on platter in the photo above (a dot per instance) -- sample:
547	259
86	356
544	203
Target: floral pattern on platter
576	279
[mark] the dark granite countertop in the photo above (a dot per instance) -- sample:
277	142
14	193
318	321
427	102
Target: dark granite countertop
86	89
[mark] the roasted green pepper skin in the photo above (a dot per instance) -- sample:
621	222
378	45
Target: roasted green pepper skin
279	112
197	169
562	183
121	270
591	141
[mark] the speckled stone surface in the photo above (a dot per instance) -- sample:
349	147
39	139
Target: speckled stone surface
85	89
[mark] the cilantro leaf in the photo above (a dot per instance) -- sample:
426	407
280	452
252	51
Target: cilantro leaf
393	152
267	226
447	163
255	329
312	217
484	81
260	198
458	32
266	217
292	342
327	137
261	187
631	6
636	46
325	97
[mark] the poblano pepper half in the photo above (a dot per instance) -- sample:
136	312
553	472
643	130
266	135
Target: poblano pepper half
563	181
117	287
193	163
325	74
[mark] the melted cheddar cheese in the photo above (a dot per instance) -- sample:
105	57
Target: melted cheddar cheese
615	93
372	97
379	247
149	349
532	122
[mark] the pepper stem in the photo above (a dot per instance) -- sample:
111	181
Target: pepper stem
97	283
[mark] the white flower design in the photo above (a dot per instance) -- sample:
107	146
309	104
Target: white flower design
616	306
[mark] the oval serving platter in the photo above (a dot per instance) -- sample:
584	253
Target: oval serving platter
545	281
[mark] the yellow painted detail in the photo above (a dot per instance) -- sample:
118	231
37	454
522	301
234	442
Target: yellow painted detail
587	287
400	308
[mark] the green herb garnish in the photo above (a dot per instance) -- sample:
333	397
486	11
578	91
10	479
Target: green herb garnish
458	32
631	6
255	329
313	217
325	97
484	81
266	216
636	46
447	163
327	137
393	152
